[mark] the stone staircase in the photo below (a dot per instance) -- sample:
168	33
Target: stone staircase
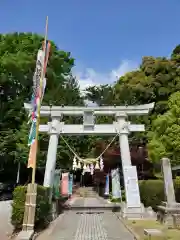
87	201
87	192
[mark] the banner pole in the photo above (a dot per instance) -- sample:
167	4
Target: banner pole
39	107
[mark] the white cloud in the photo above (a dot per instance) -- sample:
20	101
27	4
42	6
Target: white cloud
89	77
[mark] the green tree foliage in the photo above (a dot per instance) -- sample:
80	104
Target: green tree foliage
155	81
101	95
165	135
18	53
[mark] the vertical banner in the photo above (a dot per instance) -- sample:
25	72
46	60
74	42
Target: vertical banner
70	184
116	190
107	185
118	183
56	184
65	184
32	154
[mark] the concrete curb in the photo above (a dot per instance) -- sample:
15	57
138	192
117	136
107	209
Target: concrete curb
136	236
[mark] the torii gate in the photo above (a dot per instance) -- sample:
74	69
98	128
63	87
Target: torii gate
121	126
133	207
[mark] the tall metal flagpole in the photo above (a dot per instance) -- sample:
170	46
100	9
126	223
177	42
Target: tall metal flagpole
39	106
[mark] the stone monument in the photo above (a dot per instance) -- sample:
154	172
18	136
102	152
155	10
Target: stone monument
169	211
133	208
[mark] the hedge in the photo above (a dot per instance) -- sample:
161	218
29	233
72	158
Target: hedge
42	207
152	192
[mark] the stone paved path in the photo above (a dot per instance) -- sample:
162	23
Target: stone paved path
5	220
87	225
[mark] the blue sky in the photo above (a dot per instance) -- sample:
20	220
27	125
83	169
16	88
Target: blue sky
106	37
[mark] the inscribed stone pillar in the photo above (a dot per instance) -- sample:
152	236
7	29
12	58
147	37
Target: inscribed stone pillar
168	181
51	155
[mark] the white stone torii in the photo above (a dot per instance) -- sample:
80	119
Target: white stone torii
120	126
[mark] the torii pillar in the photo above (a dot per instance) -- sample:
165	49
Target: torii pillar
123	138
52	152
132	208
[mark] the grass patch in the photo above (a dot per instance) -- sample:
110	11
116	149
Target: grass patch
115	200
138	227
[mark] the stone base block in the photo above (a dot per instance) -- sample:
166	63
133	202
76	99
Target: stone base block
169	219
25	235
169	214
132	212
150	234
173	205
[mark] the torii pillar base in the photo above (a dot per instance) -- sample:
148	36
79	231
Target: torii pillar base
132	212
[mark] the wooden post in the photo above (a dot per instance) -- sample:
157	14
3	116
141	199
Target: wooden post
30	207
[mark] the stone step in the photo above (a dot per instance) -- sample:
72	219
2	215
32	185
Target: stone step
87	192
91	204
94	208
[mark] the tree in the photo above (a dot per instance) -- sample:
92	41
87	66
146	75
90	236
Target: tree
164	138
18	52
155	81
101	95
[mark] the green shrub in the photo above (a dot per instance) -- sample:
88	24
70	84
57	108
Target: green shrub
151	192
42	206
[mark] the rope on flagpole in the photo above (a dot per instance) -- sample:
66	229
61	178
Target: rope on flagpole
39	105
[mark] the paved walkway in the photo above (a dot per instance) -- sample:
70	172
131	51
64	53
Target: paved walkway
87	225
5	220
